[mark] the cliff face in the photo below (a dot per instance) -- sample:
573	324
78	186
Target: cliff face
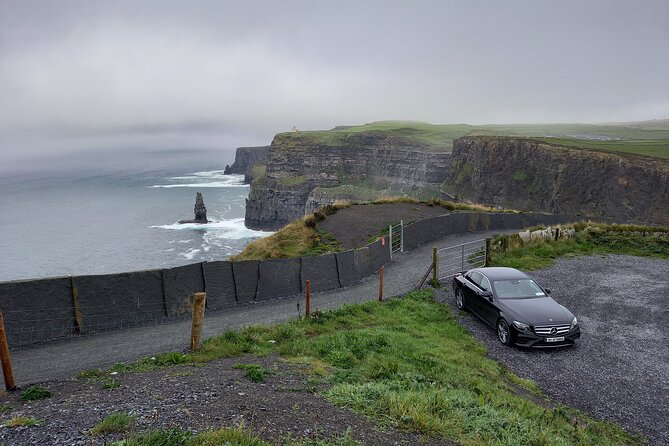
245	159
304	173
530	175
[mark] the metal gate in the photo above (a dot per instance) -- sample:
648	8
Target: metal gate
452	260
396	238
456	259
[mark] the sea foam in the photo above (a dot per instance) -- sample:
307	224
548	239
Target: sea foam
213	178
232	229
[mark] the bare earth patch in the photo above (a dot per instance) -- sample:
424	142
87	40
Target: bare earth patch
197	398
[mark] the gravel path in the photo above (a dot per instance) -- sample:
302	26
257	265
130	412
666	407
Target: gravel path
65	359
619	369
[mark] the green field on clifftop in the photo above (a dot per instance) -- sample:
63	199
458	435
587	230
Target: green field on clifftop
649	138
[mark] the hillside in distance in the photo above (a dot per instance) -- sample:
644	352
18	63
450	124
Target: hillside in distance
626	176
649	138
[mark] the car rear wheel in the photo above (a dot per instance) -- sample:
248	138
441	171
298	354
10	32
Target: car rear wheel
503	332
460	299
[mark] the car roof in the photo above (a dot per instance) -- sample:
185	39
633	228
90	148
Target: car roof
501	273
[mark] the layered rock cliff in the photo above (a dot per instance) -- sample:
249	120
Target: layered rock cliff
528	174
308	170
249	161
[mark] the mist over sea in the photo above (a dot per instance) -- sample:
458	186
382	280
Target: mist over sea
118	211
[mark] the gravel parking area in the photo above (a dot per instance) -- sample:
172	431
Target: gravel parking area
619	369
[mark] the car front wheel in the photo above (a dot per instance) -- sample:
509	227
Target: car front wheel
503	332
460	299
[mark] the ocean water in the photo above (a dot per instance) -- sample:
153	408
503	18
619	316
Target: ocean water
119	212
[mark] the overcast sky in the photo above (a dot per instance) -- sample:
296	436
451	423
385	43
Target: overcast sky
205	74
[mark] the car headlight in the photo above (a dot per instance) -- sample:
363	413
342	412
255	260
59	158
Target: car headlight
520	326
574	323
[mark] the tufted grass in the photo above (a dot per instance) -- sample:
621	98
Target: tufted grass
115	423
591	239
223	437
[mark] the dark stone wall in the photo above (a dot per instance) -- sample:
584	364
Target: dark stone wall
179	285
322	271
346	267
220	285
246	280
119	300
37	310
279	277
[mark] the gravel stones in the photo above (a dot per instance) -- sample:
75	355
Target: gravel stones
619	369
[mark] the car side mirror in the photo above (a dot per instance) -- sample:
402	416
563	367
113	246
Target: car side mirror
487	294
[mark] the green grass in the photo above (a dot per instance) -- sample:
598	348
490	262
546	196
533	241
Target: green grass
410	133
6	407
637	138
255	372
651	148
119	422
519	175
300	238
590	239
22	421
35	393
223	437
92	374
407	363
258	171
292	181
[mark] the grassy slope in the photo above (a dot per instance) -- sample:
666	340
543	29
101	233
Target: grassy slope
650	140
303	238
604	239
409	364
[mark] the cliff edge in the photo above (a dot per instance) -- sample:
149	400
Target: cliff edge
249	161
528	174
308	170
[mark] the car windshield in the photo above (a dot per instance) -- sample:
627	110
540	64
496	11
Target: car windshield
517	288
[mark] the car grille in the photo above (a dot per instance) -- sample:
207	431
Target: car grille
547	330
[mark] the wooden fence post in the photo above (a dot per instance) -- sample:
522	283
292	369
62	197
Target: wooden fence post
488	244
381	285
435	262
307	304
198	318
5	358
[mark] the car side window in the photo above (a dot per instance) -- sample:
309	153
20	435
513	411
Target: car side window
485	283
475	277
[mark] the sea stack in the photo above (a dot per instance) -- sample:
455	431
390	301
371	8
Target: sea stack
200	211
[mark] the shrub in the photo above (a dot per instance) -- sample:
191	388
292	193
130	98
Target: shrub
115	423
35	393
254	372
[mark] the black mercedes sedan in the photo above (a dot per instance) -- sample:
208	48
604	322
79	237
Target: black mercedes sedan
521	311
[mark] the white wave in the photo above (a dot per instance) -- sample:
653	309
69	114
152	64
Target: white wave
190	255
214	178
212	184
232	229
206	174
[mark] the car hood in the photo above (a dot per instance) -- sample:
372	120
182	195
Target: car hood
537	310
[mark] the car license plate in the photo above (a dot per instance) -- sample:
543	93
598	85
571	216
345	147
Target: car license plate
558	339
